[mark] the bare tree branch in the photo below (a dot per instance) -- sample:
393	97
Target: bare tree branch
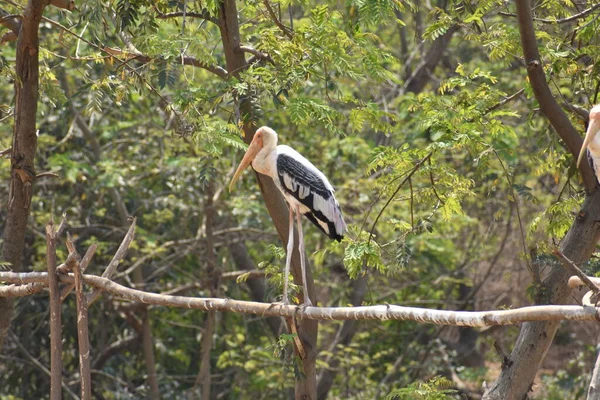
505	100
21	290
582	112
215	69
114	263
254	273
363	313
83	265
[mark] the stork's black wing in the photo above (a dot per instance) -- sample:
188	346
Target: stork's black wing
299	178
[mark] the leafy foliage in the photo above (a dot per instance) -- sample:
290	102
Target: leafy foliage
446	190
437	388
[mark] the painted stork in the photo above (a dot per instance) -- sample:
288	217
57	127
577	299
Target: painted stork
305	188
592	142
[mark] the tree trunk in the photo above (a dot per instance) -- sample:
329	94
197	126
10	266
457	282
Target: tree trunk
421	76
24	145
306	381
147	342
594	388
535	338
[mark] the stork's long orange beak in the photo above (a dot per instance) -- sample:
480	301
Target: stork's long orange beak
592	130
253	149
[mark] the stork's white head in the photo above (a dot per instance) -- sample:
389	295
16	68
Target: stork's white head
592	131
264	138
268	135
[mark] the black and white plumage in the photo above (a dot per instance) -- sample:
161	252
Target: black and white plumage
302	182
591	143
305	188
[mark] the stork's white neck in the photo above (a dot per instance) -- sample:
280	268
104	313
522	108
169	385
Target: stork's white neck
266	159
594	146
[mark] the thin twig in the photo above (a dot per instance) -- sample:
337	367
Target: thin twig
55	316
47	174
83	338
202	15
571	18
114	263
286	31
61	226
83	265
257	53
246	274
535	272
504	101
412	210
407	178
573	269
433	183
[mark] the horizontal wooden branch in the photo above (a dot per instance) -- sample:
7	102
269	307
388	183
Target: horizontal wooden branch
379	312
22	290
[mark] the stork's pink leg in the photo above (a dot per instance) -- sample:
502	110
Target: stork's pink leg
288	259
307	301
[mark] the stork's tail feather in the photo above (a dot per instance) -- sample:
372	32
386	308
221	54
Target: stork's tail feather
334	229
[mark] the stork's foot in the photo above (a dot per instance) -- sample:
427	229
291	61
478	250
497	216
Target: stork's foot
307	302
